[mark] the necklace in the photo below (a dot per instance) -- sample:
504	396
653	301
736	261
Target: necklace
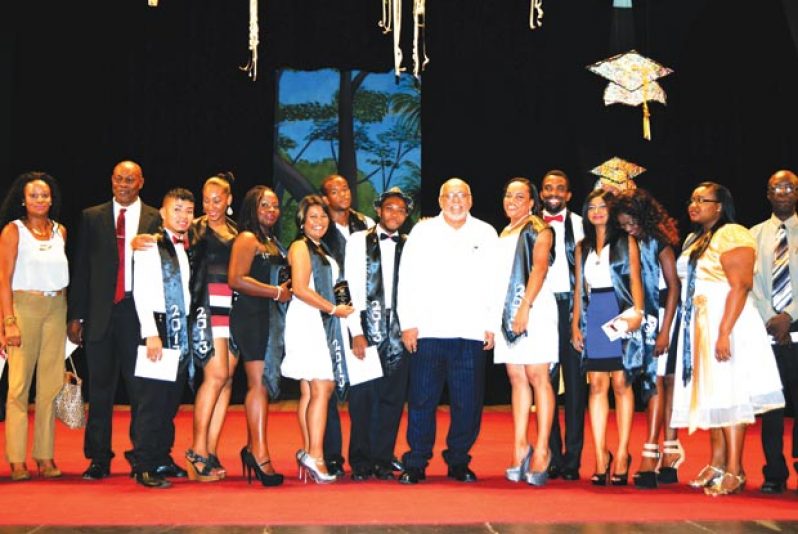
38	232
510	227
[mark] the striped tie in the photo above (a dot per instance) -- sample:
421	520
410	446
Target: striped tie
782	289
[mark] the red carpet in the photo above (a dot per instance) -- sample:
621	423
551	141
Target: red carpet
119	501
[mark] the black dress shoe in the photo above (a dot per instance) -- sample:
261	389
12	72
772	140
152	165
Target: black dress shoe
412	475
397	465
569	473
461	473
335	468
96	471
554	471
359	474
382	472
773	487
149	479
171	470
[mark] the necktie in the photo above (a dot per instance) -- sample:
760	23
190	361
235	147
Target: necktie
781	296
558	218
181	240
119	294
394	238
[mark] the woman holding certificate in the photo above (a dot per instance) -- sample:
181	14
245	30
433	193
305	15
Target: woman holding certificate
608	304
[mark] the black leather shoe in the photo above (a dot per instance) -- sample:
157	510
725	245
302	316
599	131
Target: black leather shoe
96	471
131	459
569	473
149	479
412	475
171	470
382	472
461	473
397	465
335	468
359	474
773	487
554	471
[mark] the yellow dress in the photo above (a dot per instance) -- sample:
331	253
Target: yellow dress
731	392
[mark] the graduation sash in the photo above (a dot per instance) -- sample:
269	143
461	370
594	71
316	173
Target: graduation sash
275	344
323	282
379	328
650	273
519	273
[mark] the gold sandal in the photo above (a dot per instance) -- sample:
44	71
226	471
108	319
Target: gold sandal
706	477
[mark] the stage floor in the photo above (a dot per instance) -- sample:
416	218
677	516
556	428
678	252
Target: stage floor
437	505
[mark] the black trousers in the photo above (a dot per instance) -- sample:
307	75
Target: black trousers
107	358
332	433
375	410
575	397
157	402
773	421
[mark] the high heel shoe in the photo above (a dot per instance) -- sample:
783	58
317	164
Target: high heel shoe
706	477
47	471
622	479
19	473
217	466
539	478
719	486
196	473
311	468
515	474
251	465
648	479
600	479
668	474
300	453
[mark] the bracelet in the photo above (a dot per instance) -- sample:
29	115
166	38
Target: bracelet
10	320
279	291
332	311
524	299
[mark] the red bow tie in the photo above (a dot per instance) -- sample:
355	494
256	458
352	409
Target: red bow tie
184	242
558	218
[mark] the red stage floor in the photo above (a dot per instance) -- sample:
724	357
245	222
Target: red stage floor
119	501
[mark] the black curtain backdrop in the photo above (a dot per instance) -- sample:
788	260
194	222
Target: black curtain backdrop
90	83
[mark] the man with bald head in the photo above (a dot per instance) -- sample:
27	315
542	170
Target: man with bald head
101	314
444	305
776	296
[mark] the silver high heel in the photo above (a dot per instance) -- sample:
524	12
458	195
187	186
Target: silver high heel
539	478
310	467
300	453
515	474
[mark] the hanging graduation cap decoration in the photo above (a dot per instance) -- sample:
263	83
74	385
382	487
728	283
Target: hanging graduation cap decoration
617	174
632	82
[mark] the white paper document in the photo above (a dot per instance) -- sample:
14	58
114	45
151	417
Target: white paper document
69	348
793	338
3	360
618	326
164	369
363	370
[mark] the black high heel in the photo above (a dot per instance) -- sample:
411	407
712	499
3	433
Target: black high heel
250	465
622	479
648	479
216	465
600	479
203	474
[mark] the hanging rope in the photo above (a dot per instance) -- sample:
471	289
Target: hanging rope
535	8
392	22
251	68
419	38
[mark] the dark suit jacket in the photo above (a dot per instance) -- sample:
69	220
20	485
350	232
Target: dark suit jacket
93	278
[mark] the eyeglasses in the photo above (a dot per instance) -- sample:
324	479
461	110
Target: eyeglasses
459	195
701	201
782	188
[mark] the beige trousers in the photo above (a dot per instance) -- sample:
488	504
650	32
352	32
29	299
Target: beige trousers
42	326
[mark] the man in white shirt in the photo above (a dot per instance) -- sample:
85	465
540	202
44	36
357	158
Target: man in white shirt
345	221
375	407
555	192
161	292
445	311
780	313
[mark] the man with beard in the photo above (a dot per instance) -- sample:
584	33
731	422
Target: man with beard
375	407
775	294
345	221
555	192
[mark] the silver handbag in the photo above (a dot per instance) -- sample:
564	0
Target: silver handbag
69	402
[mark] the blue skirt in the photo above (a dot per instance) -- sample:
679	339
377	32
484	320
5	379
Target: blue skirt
601	353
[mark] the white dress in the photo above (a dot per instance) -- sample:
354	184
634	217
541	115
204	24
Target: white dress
733	391
307	356
541	344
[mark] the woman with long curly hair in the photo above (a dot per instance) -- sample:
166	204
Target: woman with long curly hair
640	215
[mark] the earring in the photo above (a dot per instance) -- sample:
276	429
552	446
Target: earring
229	210
23	203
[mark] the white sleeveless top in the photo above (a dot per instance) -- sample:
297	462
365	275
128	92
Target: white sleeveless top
41	265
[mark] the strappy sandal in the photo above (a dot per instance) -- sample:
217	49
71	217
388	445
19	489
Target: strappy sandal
718	487
648	479
706	477
201	474
668	474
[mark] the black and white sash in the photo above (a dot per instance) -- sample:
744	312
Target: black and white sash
381	329
323	283
335	241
